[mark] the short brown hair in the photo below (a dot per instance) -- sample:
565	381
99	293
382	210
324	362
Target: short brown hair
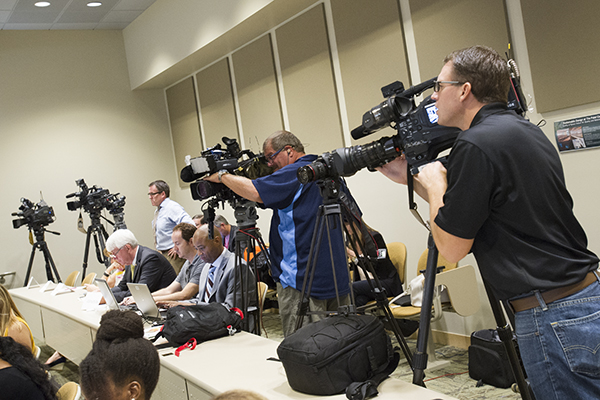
485	70
187	230
161	186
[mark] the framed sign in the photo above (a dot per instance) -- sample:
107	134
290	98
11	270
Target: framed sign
578	133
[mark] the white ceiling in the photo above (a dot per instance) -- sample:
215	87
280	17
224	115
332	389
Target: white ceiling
70	14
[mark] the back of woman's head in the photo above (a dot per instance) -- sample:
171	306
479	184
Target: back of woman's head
20	357
7	305
120	355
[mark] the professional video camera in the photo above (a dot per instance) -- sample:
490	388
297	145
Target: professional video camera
90	199
215	159
419	136
33	215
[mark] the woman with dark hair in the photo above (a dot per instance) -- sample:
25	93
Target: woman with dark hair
122	364
21	375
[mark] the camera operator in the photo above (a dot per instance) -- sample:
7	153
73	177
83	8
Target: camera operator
168	214
504	197
295	207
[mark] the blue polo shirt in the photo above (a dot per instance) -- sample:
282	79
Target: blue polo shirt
295	207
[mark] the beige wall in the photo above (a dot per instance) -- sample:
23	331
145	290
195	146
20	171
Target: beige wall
67	113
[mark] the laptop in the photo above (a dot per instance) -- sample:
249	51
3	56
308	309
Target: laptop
144	300
109	296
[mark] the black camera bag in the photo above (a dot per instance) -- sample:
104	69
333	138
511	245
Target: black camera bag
325	357
488	360
201	321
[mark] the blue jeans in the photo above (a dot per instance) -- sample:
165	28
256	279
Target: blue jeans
560	346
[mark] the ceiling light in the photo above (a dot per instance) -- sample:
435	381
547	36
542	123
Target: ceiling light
94	4
42	4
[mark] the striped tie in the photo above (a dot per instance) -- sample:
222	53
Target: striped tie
209	283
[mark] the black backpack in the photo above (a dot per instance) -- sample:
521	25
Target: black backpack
349	353
201	321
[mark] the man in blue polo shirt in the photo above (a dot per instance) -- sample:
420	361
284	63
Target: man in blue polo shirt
295	208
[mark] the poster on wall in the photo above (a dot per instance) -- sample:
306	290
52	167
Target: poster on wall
578	133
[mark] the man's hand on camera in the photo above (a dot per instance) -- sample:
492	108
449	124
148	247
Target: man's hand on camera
395	170
433	178
212	178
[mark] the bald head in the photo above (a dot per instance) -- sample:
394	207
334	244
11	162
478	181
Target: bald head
208	249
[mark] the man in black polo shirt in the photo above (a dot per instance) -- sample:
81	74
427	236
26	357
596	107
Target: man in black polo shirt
504	198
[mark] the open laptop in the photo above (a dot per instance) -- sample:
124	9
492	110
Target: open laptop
144	300
109	296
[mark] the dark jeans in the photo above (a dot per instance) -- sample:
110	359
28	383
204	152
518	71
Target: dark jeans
363	293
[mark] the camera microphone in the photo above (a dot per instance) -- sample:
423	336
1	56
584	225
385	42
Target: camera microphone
359	132
187	174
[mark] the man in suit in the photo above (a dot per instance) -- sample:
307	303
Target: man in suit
142	265
226	231
218	282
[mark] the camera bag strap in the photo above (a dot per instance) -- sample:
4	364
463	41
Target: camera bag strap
368	389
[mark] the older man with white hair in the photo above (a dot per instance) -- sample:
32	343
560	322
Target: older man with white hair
142	265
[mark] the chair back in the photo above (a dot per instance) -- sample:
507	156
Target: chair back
89	279
262	293
69	391
72	278
397	254
442	262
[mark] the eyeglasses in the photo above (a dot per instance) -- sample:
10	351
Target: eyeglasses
153	194
437	84
115	254
272	156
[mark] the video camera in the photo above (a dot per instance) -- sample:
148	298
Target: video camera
33	215
93	200
419	136
215	159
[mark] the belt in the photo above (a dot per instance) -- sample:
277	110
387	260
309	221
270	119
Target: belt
551	295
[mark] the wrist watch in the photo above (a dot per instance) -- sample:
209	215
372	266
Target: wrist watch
221	173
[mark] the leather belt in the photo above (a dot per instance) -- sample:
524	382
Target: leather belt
551	295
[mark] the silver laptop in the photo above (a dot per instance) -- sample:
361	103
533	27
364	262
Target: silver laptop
144	300
108	295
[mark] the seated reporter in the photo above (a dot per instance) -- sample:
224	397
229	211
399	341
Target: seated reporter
376	251
122	364
12	323
22	377
142	265
185	286
218	282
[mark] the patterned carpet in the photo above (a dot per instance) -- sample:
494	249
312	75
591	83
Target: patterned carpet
452	380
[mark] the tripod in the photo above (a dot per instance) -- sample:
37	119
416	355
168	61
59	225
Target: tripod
97	231
43	247
246	239
330	213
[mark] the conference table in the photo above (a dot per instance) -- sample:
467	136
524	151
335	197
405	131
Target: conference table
241	361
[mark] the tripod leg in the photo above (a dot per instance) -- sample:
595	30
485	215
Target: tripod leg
50	266
86	251
30	264
506	335
420	359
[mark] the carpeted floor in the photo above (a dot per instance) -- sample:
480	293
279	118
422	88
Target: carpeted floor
452	380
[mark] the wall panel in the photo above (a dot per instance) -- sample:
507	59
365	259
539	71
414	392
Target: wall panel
562	71
308	83
216	103
258	96
441	27
183	117
371	51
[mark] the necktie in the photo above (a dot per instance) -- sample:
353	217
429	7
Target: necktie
209	283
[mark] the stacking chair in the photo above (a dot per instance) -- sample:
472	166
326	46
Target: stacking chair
89	279
69	391
72	278
463	297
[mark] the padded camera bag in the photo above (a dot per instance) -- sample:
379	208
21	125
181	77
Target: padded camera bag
325	357
201	321
488	360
